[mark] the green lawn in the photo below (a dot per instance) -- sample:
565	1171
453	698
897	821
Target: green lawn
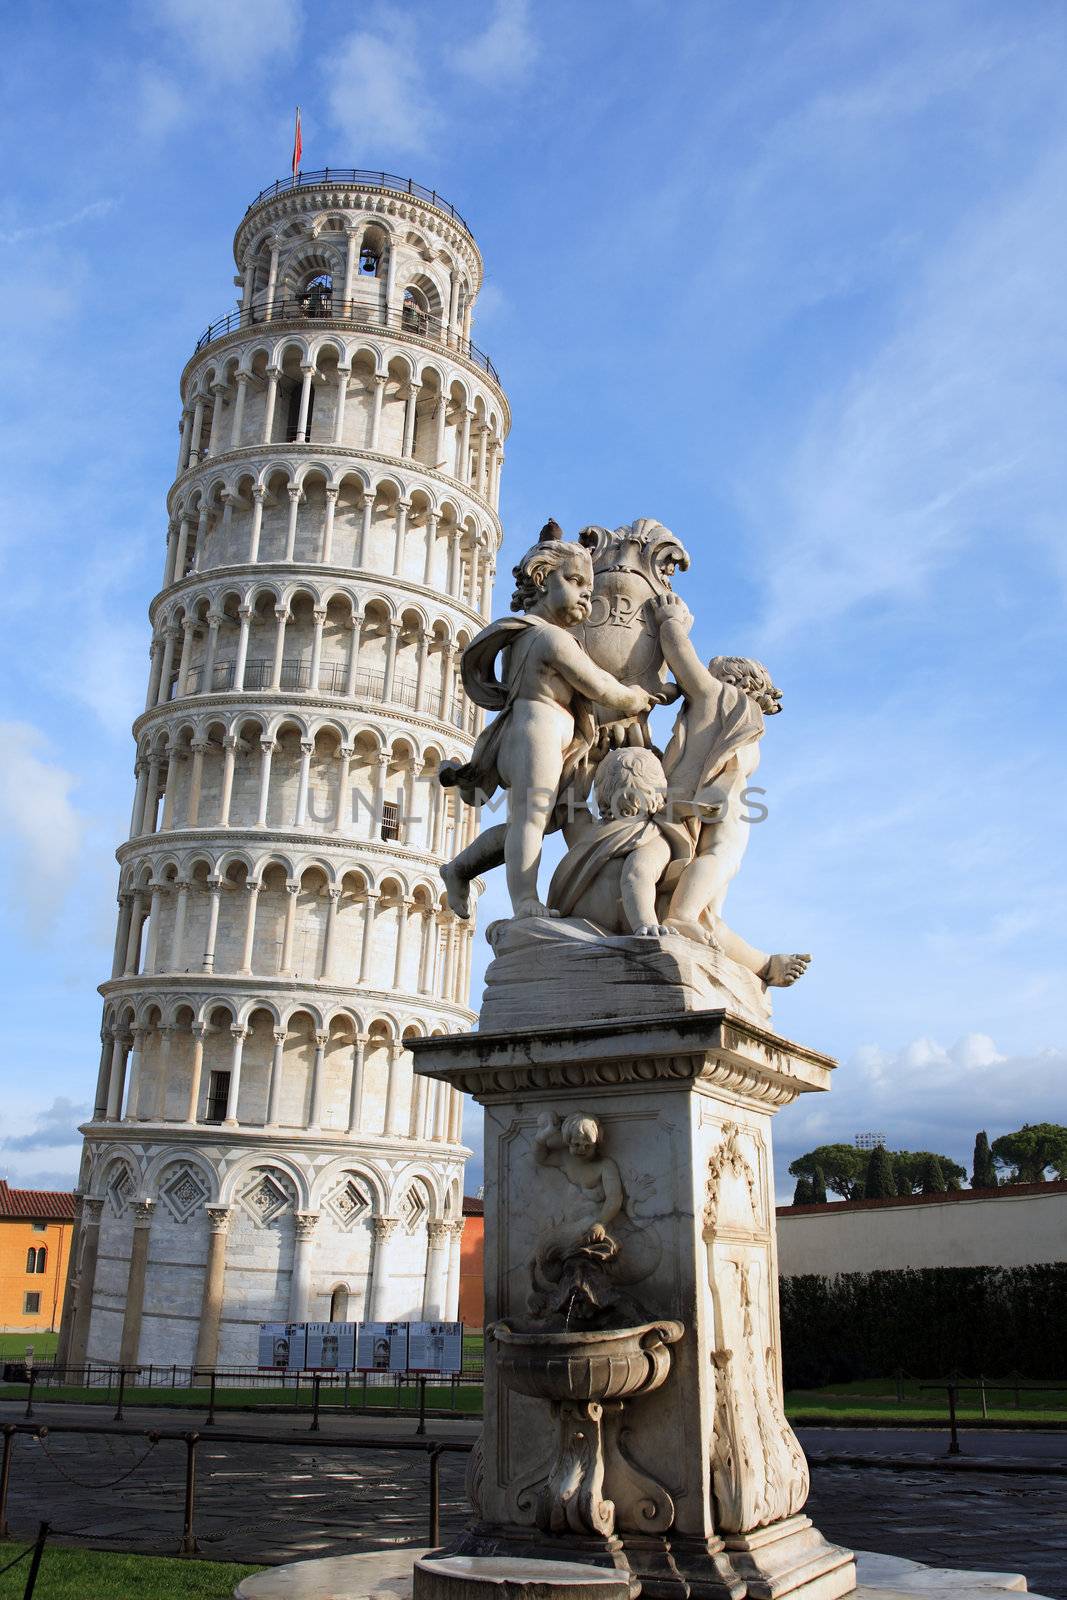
100	1575
876	1400
468	1397
14	1344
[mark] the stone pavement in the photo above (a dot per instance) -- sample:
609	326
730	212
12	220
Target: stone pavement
274	1503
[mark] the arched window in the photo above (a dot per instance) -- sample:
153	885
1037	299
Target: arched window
36	1259
317	298
416	313
339	1304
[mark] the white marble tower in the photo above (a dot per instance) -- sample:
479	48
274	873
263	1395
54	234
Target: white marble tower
259	1149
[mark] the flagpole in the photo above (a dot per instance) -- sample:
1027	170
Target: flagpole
298	146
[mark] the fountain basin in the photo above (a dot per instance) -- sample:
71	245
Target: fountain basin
609	1364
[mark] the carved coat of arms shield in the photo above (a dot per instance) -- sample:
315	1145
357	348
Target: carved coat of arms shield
630	568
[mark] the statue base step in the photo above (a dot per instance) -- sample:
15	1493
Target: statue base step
791	1558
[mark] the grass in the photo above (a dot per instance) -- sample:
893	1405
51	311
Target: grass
101	1575
468	1397
13	1345
875	1401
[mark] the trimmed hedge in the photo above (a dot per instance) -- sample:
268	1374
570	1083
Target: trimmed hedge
928	1321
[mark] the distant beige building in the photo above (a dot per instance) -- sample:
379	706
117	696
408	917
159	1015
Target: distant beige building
1022	1224
259	1149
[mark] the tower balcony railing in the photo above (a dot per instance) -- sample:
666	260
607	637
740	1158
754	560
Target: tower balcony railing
322	305
332	679
358	177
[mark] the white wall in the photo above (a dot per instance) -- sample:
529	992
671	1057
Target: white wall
1014	1227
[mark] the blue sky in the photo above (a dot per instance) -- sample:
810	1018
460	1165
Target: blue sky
788	277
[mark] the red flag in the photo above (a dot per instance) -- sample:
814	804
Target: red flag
298	144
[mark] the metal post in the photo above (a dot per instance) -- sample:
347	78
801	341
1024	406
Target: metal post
316	1384
982	1397
900	1386
5	1475
435	1497
122	1394
347	1377
188	1544
422	1405
954	1439
35	1561
32	1379
211	1403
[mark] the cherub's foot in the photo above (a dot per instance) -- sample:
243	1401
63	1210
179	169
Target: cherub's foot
457	890
532	908
781	971
689	930
651	930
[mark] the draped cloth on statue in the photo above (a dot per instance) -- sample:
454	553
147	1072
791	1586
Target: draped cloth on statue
585	861
697	757
479	778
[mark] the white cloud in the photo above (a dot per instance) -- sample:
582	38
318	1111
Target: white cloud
160	105
927	1096
377	91
41	822
54	1128
503	52
231	39
38	230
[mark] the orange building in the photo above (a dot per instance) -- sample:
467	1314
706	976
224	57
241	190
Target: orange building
35	1230
472	1264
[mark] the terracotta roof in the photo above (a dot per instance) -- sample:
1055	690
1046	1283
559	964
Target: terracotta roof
1006	1191
35	1205
473	1207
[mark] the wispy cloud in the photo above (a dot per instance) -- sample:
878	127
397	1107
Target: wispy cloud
232	39
43	825
40	230
53	1129
503	52
377	88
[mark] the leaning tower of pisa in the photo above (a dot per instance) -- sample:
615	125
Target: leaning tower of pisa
259	1149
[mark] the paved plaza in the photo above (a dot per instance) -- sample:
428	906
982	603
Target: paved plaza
274	1503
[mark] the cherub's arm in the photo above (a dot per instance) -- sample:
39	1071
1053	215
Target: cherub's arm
566	656
614	1194
548	1140
675	620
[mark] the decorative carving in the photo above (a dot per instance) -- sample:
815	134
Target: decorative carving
383	1228
182	1192
348	1203
305	1223
266	1196
119	1189
414	1209
728	1157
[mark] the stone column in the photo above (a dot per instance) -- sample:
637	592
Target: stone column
355	1097
370	904
455	1257
366	517
433	1300
327	530
296	494
214	623
334	897
116	1081
245	615
152	947
218	390
432	520
319	617
307	747
103	1077
259	495
300	1283
229	760
426	950
281	615
137	815
402	911
252	888
266	751
199	1031
463	453
318	1072
392	1090
215	891
345	752
353	236
307	373
342	396
274	1090
420	671
390	661
240	1034
155	669
85	1279
384	1228
207	1338
166	1046
273	374
376	411
133	1085
134	1300
199	748
353	658
402	509
242	380
412	401
194	433
293	892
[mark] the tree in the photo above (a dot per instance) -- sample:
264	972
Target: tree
1031	1151
818	1186
880	1182
841	1167
911	1165
802	1193
932	1179
983	1170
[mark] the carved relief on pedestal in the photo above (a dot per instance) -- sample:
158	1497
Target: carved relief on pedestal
759	1472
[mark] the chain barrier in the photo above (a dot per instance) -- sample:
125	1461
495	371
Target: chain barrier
95	1483
30	1548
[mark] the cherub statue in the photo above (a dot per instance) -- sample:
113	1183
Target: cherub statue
610	875
713	753
545	725
574	1147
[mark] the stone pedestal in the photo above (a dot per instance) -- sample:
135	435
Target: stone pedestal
633	1396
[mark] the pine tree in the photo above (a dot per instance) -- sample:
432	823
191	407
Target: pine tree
932	1180
818	1187
880	1182
984	1173
802	1192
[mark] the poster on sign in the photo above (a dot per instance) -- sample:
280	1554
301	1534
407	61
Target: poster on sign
435	1346
382	1347
282	1346
331	1346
